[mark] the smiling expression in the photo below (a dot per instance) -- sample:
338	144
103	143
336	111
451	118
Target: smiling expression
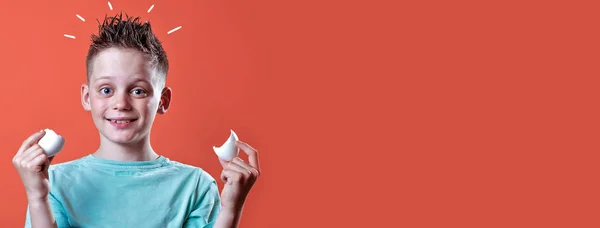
124	94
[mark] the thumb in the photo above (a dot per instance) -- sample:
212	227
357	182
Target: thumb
223	163
46	166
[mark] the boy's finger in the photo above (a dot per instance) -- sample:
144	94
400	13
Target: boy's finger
30	141
251	152
45	167
223	163
230	174
223	178
33	155
236	167
243	164
39	161
32	152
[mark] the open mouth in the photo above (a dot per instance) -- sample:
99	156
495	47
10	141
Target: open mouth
122	121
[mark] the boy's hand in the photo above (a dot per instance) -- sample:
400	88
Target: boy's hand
32	165
239	177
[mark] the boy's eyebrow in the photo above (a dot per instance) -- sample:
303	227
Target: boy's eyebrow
137	79
103	77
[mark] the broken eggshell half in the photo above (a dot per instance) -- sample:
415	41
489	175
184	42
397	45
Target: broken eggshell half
52	143
228	150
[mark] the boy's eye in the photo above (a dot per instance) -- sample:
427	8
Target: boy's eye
139	92
105	90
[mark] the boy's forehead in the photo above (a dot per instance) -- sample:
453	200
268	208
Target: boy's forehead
120	64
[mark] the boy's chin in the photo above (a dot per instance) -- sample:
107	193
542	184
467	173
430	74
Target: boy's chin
124	140
122	137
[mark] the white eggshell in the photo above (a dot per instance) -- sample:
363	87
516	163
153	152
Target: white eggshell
228	150
52	143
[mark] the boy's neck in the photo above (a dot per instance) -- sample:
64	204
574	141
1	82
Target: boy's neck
139	151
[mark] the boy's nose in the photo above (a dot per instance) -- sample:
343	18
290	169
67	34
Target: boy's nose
121	102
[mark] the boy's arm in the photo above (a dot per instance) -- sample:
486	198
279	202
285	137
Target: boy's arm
32	164
40	214
239	177
228	219
46	213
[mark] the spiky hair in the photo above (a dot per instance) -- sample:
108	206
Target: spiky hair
128	32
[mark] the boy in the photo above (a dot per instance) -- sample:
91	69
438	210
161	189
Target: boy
125	183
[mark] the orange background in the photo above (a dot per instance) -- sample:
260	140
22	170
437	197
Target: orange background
366	114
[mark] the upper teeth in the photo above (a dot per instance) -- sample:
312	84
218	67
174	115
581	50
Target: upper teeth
121	121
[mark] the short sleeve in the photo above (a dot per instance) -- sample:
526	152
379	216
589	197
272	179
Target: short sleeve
207	205
58	211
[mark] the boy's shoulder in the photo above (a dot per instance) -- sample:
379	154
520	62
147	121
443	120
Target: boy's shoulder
188	168
66	165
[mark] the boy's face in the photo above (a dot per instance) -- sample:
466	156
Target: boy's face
124	95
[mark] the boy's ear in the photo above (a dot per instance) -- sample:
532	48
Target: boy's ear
165	100
85	97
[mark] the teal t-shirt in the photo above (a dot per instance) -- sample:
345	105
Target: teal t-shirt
93	192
